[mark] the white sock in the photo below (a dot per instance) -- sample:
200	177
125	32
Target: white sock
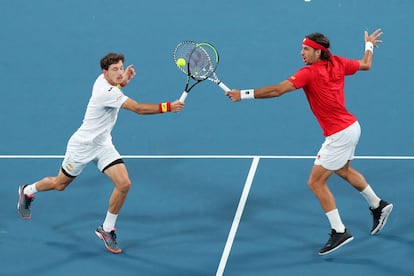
30	189
370	196
109	223
335	221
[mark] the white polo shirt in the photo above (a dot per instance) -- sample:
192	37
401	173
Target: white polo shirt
101	113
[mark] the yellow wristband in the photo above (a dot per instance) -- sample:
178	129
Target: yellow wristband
164	107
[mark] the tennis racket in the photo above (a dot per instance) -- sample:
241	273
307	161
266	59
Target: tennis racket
201	61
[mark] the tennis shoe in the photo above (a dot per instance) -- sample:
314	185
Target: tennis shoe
23	205
380	216
109	239
335	241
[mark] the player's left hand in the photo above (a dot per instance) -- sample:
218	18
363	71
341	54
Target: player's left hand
374	37
129	74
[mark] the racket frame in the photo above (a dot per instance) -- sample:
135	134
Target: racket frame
213	61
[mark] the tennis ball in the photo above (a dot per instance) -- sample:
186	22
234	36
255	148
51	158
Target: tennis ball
181	62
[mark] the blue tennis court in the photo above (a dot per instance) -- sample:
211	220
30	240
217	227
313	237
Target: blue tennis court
220	188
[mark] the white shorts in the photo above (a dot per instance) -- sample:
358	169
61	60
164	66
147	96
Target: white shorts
339	148
79	154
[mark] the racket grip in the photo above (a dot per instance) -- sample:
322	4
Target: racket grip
224	87
183	96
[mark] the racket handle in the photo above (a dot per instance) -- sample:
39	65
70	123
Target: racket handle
183	96
224	87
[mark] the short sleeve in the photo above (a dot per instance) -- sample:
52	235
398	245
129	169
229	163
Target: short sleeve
301	77
351	66
113	97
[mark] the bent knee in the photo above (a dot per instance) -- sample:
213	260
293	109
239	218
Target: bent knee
124	185
311	184
315	185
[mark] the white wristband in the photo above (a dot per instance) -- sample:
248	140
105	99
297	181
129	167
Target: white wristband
247	94
369	46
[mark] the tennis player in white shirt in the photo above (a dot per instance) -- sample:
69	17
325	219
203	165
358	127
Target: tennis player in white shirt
93	142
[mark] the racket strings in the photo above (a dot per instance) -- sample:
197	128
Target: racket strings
201	59
184	50
200	64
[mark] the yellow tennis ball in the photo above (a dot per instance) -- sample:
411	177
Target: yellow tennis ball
181	62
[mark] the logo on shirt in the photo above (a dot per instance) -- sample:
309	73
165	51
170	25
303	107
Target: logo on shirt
69	167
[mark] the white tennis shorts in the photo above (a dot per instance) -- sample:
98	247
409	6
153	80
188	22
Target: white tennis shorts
339	148
79	154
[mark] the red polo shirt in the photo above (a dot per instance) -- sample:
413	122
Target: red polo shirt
323	83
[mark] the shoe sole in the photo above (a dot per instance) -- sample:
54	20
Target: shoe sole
20	192
333	249
386	212
107	247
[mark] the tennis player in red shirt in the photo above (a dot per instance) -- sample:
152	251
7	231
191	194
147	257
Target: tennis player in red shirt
322	80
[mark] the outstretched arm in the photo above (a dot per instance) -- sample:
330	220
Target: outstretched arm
270	91
149	108
371	41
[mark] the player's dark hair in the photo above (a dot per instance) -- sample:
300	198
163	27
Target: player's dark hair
322	40
111	58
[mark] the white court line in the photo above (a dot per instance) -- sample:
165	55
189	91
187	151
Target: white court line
237	216
16	156
379	157
246	189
